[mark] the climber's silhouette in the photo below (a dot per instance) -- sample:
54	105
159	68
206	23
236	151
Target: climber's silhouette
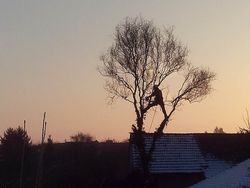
157	99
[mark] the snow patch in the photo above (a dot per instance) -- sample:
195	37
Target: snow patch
235	177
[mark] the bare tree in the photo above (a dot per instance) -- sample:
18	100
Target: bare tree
142	57
247	124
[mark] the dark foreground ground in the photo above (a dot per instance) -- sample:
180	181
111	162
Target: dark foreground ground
70	165
105	165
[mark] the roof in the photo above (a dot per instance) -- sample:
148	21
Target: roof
237	176
174	153
191	153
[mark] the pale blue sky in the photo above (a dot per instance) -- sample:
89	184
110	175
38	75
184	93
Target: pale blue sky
49	51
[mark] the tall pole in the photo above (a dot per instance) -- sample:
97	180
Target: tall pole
40	161
22	159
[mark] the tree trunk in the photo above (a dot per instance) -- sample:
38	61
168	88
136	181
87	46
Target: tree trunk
140	143
156	135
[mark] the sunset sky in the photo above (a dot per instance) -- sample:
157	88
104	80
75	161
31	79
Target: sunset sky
50	49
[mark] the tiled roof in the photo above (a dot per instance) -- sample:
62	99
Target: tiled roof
174	153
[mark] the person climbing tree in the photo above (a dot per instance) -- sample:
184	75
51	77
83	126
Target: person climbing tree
141	56
156	99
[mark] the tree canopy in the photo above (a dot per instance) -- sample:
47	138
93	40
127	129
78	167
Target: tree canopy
15	138
16	148
143	56
138	63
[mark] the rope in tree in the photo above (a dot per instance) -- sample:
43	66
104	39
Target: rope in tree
152	118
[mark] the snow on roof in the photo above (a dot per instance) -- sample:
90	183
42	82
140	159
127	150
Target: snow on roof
215	165
237	176
174	153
